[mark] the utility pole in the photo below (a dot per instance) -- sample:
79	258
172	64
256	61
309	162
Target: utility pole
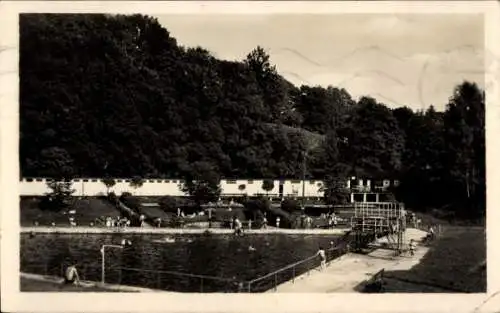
304	168
83	184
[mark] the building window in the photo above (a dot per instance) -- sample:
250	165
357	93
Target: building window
167	181
151	180
231	181
311	182
29	179
295	181
39	179
94	180
371	197
250	181
85	180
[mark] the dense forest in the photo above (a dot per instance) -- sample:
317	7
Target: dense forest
112	95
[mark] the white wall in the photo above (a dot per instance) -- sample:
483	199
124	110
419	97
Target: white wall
95	187
252	187
311	188
161	187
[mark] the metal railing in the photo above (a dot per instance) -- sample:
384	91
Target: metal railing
177	281
292	271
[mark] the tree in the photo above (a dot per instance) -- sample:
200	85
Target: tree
464	121
268	185
60	196
290	206
257	208
422	174
136	182
109	183
275	90
335	190
202	191
204	185
322	108
372	143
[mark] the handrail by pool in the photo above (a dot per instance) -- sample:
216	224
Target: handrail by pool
202	278
132	269
292	266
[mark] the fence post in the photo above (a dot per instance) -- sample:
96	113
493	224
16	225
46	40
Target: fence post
120	275
275	282
201	284
293	277
158	280
103	264
249	287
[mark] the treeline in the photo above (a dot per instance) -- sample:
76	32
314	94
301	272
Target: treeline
107	95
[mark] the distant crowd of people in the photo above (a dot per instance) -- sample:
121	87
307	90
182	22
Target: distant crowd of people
109	221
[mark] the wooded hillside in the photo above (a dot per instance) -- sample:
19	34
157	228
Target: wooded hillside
106	95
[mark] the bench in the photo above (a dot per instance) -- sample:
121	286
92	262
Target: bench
376	283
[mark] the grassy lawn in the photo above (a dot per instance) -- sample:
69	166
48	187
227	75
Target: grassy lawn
47	286
87	210
453	261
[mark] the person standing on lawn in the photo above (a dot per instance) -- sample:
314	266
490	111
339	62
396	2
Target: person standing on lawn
413	246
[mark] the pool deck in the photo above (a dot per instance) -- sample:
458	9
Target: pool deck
137	230
87	284
346	273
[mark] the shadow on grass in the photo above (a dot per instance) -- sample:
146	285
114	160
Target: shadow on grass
454	263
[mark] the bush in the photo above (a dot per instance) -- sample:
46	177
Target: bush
171	203
286	219
131	203
290	205
224	216
175	222
255	208
113	198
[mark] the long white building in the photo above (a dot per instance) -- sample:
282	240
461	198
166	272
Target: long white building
172	187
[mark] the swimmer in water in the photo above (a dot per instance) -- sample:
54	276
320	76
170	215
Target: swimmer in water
126	242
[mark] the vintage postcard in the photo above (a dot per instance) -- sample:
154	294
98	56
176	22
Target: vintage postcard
249	156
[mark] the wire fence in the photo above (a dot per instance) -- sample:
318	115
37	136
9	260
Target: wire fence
290	272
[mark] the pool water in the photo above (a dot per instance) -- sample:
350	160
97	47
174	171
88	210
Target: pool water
239	259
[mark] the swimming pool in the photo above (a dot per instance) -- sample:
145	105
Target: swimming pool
230	258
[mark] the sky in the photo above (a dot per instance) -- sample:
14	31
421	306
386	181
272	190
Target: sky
401	60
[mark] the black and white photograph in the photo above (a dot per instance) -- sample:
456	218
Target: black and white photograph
323	152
